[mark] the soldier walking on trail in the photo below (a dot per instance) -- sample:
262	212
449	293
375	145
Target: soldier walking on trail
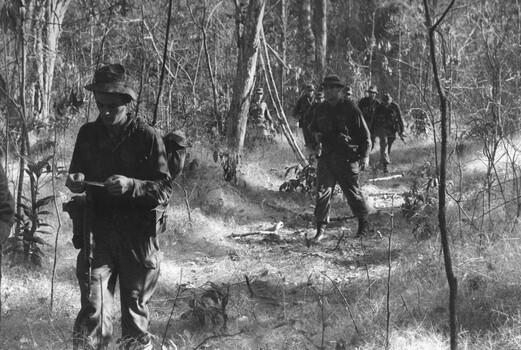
368	105
338	125
301	107
120	162
260	124
387	122
319	98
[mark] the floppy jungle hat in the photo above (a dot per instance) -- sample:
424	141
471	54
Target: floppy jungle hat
112	79
332	80
179	138
372	88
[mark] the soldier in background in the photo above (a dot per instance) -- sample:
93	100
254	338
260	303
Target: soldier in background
301	107
349	93
260	124
306	120
387	122
368	105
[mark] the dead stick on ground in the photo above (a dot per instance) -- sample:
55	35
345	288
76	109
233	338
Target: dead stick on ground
345	301
187	203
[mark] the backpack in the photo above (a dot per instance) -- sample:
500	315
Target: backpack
176	144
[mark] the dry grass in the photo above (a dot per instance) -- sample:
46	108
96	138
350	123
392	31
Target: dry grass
281	294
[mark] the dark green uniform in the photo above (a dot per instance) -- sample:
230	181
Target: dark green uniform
122	230
387	121
345	139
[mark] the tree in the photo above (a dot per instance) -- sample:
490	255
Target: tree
248	28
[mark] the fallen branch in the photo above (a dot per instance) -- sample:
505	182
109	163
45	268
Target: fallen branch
385	178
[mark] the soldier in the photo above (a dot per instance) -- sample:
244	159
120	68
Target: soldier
387	122
349	93
120	162
306	120
301	107
338	125
368	105
260	130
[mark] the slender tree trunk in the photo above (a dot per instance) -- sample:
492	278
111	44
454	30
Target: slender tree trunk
320	38
282	65
248	44
307	50
453	283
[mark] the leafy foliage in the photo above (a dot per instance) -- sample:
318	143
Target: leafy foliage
25	245
209	307
305	179
420	203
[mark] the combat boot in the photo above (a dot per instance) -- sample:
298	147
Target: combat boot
363	228
321	230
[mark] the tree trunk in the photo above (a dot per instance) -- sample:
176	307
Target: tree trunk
451	279
320	38
307	51
248	42
46	32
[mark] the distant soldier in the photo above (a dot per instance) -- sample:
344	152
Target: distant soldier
387	122
349	93
319	98
301	107
260	123
368	105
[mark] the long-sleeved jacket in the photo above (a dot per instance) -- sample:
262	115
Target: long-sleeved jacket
139	154
387	120
301	107
368	106
341	126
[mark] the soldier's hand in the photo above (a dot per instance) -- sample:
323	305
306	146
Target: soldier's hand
75	183
364	163
117	185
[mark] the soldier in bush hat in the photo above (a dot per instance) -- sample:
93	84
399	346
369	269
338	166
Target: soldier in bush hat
387	122
119	162
301	107
339	127
260	124
368	104
349	93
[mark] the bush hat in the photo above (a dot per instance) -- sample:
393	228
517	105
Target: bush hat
309	87
259	91
112	79
320	94
349	90
386	97
332	80
372	88
179	138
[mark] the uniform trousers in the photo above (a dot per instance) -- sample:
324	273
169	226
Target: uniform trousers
333	168
117	253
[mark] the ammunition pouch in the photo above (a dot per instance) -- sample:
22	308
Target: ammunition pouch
76	208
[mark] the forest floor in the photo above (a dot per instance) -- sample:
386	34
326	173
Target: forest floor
231	279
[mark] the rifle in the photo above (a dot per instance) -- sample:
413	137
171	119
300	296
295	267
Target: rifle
80	213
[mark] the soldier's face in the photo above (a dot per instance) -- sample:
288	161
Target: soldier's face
112	108
372	95
332	93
